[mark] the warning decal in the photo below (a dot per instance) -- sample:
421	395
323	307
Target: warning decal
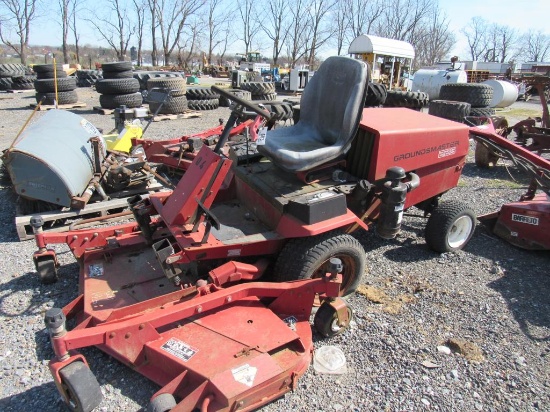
179	349
245	374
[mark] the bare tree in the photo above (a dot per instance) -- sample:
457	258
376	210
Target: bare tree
435	39
64	13
476	35
140	9
172	17
362	16
72	25
274	25
152	5
342	26
508	38
17	15
115	27
188	48
251	25
402	19
535	45
217	19
321	30
297	40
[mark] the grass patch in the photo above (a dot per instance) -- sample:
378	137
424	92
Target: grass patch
522	113
501	184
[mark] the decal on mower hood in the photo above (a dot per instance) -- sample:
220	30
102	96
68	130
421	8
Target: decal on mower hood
179	349
525	219
444	150
245	374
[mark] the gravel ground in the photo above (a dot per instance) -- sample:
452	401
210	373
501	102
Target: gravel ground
489	301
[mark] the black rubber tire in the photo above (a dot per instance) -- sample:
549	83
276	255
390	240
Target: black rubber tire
112	101
118	75
203	104
81	387
69	97
46	269
201	93
411	100
478	95
376	95
442	224
259	88
43	68
243	94
60	74
268	97
307	257
482	111
176	85
23	82
11	70
173	105
326	321
116	67
296	113
450	110
164	402
65	84
6	83
282	110
117	86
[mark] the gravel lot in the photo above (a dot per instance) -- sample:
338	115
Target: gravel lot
491	300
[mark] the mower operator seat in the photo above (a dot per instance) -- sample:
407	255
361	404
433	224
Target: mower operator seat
331	108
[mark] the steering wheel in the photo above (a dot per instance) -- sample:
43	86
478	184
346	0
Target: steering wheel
249	105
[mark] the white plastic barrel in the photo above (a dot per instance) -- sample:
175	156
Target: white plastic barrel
505	93
431	80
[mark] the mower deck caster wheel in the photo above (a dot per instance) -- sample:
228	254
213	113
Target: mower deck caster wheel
162	403
326	321
450	226
47	271
82	391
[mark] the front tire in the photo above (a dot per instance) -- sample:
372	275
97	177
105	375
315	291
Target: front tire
308	257
326	321
82	390
450	226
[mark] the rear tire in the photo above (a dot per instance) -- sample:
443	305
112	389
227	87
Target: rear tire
81	387
478	95
450	226
162	403
308	257
46	269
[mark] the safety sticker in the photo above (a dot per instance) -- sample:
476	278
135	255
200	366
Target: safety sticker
89	127
95	271
525	219
262	135
245	374
179	349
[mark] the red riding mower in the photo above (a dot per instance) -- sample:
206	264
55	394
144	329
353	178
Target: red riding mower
171	294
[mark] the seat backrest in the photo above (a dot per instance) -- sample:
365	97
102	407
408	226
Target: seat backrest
334	98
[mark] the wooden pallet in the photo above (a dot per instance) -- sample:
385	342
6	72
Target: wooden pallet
60	220
185	115
21	91
59	106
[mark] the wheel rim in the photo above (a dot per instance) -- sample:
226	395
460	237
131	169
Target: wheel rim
348	274
459	232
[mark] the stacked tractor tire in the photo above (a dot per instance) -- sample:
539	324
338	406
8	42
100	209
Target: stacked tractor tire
16	77
458	100
88	78
118	86
202	98
410	100
47	76
176	102
260	90
376	95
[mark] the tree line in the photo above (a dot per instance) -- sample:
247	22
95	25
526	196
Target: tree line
293	31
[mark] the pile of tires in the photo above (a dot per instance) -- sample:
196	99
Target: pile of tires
260	90
202	98
282	111
88	78
449	109
118	86
477	95
410	100
143	76
376	94
15	77
176	102
47	77
243	94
